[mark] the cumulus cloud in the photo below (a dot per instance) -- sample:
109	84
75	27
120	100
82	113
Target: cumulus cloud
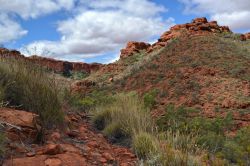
235	13
100	27
9	29
34	8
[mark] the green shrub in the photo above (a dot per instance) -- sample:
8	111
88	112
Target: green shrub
101	118
237	150
113	131
144	145
2	144
29	87
150	98
127	111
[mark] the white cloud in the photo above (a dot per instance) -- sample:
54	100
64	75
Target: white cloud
34	8
234	13
99	27
9	29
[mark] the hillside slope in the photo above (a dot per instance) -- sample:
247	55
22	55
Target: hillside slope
199	64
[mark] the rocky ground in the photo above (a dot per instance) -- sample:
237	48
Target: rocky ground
77	145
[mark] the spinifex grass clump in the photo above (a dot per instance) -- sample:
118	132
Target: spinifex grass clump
29	87
127	117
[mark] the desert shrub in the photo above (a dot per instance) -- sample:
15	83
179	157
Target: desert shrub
76	75
191	133
127	111
237	149
144	145
88	101
127	118
113	131
28	87
150	98
2	143
101	118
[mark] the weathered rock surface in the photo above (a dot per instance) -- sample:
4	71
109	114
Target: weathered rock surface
197	27
86	148
17	117
133	47
52	64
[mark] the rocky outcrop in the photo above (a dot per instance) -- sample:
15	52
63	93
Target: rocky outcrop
247	35
52	64
133	47
64	66
196	27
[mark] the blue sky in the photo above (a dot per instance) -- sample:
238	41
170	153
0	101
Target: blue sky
95	30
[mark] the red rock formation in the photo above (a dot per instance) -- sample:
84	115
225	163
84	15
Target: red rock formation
55	65
247	35
133	47
197	26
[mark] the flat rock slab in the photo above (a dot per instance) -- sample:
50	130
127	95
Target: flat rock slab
17	117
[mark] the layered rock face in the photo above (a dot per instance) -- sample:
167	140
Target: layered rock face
198	26
52	64
133	47
61	66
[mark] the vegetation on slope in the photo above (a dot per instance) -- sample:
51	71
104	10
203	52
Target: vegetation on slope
200	72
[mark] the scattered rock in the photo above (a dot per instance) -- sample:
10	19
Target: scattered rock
53	162
67	159
55	136
108	156
50	149
31	154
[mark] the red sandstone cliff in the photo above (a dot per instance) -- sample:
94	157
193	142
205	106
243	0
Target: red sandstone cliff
55	65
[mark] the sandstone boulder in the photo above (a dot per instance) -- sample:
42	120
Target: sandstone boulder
133	47
247	35
17	117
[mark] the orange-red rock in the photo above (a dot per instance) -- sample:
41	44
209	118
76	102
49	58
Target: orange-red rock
51	149
247	35
67	159
52	64
17	117
197	26
133	47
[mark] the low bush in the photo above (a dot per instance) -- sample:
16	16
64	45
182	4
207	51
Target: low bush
2	144
101	118
150	98
113	131
208	134
127	111
144	145
88	101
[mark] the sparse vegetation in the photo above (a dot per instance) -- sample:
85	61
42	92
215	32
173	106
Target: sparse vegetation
210	134
127	117
28	87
